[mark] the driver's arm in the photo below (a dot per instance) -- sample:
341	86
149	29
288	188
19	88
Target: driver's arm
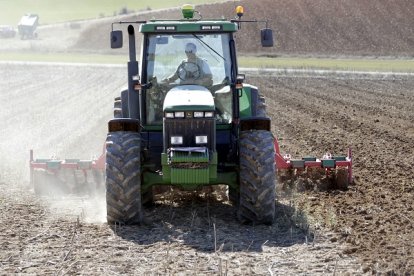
173	77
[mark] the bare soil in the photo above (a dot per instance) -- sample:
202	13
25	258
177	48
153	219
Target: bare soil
301	27
375	217
367	229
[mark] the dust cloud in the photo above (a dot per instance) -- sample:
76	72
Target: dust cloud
60	112
70	192
88	209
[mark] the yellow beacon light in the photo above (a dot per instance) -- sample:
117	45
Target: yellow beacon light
188	11
239	11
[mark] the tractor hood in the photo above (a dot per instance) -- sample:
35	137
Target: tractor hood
189	98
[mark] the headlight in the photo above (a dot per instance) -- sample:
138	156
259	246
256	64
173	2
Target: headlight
209	114
176	140
169	115
179	114
201	139
198	114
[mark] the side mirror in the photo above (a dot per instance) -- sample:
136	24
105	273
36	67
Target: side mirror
266	36
239	81
116	39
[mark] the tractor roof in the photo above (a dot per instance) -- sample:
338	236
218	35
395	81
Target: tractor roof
189	24
185	26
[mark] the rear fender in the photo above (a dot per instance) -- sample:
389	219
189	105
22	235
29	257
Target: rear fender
124	124
248	101
255	123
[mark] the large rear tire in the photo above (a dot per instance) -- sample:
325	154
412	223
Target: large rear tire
123	178
117	107
261	107
121	105
257	177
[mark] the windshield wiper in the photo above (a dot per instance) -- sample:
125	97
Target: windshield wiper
199	39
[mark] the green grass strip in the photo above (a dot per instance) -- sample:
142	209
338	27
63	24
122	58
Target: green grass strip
352	64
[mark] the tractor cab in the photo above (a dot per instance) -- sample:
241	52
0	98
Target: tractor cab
183	53
189	63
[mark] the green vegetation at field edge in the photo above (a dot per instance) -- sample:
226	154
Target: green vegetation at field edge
362	64
354	64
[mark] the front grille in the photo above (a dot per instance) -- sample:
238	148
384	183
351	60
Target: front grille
189	129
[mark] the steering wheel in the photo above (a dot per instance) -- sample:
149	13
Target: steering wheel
188	71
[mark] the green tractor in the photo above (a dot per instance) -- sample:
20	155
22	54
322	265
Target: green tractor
188	120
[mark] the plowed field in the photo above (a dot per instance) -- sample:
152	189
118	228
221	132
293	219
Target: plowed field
373	116
369	228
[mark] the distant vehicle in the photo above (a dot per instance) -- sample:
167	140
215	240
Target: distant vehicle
7	31
27	26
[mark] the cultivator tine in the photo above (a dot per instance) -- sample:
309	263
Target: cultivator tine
330	171
68	176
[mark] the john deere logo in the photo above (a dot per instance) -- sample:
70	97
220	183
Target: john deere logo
189	115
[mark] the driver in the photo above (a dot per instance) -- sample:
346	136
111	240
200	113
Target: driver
192	70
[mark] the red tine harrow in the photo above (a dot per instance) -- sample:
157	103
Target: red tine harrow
336	168
67	176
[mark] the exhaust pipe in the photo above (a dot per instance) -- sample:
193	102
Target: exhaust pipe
133	96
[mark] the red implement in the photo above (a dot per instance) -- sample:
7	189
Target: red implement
67	175
329	163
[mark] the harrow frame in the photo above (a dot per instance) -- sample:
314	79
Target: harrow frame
328	162
54	165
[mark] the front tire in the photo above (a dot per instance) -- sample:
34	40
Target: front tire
123	178
257	177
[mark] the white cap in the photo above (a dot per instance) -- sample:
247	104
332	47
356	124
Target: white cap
190	48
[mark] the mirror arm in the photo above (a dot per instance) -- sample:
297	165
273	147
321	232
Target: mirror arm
250	21
128	22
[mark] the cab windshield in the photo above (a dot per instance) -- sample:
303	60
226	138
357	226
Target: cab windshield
188	59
